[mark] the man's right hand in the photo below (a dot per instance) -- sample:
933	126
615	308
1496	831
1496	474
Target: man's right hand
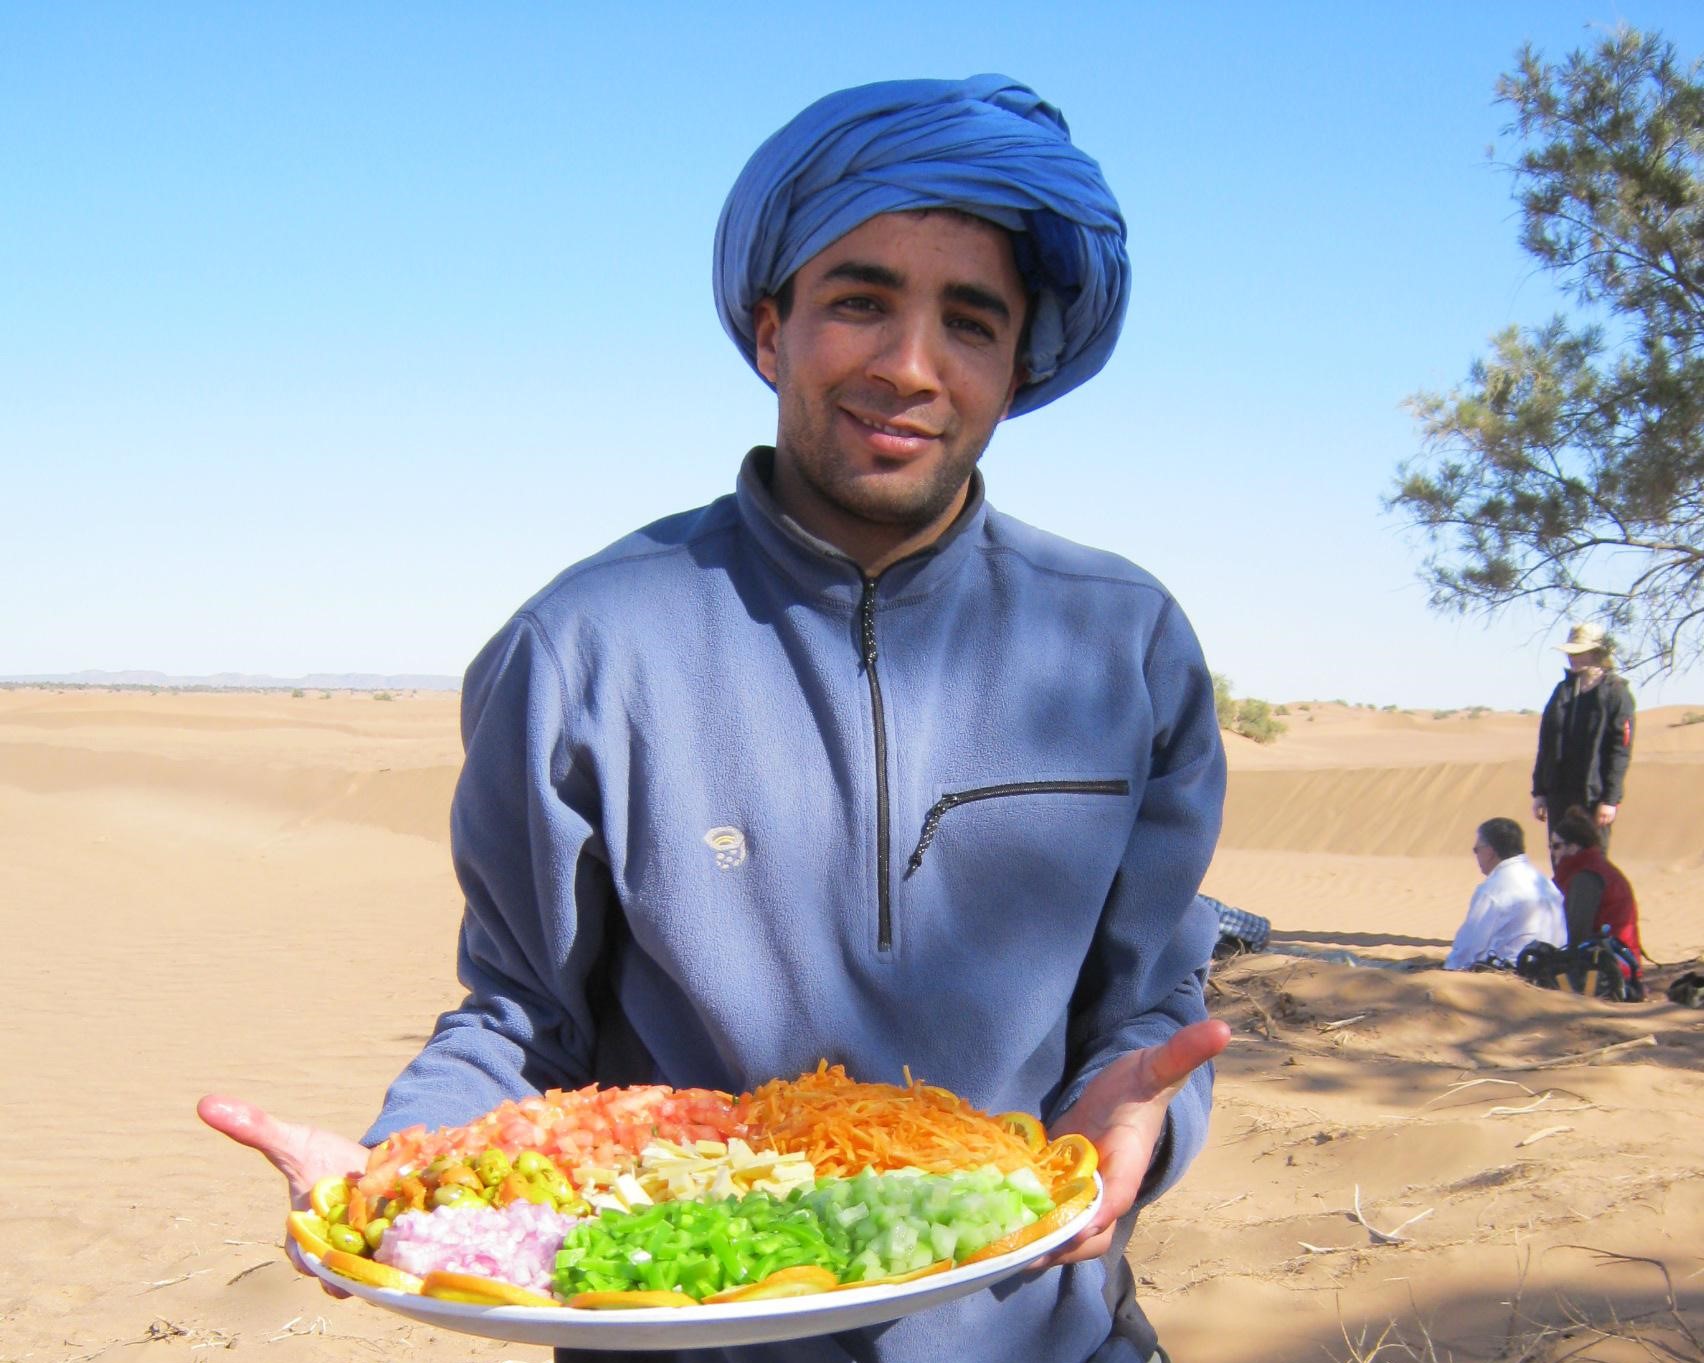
302	1154
1540	810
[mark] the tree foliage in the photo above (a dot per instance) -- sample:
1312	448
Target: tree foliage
1569	470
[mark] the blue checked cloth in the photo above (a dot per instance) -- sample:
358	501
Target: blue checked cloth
1246	931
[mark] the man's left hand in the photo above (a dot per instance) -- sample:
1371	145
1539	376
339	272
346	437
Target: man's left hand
1123	1111
1605	815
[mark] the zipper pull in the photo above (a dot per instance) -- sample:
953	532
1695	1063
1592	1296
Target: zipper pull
931	821
868	613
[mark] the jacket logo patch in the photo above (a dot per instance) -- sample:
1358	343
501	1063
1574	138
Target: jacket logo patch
728	844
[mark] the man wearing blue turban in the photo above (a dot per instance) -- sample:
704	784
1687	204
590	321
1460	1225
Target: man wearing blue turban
848	765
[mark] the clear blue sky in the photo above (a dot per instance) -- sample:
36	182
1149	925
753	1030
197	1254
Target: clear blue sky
330	332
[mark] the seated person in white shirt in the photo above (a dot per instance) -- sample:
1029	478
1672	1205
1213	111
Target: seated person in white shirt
1515	904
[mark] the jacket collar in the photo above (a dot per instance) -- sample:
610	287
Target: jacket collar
821	570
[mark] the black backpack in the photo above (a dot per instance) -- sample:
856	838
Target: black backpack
1595	967
1688	990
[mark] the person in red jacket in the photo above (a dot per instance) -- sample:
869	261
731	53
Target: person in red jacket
1595	894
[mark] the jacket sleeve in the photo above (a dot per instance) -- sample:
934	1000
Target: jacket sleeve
1473	937
1617	743
1546	745
1144	977
537	898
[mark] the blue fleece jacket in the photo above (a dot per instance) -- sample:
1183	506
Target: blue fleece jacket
728	809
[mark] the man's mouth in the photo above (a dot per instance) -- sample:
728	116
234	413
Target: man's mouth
894	437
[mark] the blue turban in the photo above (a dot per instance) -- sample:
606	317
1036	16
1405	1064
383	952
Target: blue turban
987	146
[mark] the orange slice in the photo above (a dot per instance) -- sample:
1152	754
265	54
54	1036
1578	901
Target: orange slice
1069	1200
802	1280
326	1196
939	1266
305	1228
478	1291
1025	1127
628	1301
369	1271
1068	1158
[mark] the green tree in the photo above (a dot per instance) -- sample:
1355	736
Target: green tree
1568	472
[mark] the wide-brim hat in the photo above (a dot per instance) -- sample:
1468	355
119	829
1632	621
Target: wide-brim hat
1583	639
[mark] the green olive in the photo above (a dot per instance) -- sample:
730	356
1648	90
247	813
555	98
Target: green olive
492	1167
375	1231
556	1188
459	1174
530	1190
530	1162
453	1195
345	1238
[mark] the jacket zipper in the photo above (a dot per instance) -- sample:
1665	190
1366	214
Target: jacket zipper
884	898
953	799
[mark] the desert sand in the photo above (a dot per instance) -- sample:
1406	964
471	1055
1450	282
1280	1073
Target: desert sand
251	893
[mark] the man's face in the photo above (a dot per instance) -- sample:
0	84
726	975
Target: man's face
895	362
1485	855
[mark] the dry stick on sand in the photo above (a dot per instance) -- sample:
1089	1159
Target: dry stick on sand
1345	1022
1538	1136
1380	1237
1267	1026
1671	1341
1538	1100
1607	1257
1584	1057
1387	1237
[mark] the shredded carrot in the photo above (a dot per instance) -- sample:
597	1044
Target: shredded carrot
843	1126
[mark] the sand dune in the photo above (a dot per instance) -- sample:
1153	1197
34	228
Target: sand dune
251	893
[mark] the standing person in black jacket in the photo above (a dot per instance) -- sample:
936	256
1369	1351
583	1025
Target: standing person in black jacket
1585	737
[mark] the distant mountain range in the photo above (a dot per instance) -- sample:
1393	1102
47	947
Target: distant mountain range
245	681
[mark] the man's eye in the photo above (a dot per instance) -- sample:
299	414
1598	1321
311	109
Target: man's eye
971	327
855	303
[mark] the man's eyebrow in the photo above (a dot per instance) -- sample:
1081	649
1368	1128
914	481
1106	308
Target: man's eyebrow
974	297
880	276
862	272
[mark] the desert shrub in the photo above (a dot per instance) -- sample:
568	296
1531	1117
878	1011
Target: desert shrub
1280	709
1222	702
383	695
1256	720
1693	717
297	694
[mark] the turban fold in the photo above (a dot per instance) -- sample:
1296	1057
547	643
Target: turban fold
987	146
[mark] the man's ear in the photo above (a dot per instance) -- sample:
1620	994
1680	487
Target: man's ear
766	332
1020	376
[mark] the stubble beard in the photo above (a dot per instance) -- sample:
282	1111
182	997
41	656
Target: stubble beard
907	507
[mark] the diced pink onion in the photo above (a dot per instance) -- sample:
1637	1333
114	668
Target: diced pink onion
514	1244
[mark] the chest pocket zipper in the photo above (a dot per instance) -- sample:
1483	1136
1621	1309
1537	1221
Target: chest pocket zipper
953	799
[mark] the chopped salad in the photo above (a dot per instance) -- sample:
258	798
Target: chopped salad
650	1196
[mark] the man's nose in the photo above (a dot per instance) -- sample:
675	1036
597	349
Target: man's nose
908	360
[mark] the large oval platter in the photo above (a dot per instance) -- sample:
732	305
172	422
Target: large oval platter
726	1323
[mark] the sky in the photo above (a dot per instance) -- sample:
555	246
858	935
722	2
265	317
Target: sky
329	333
